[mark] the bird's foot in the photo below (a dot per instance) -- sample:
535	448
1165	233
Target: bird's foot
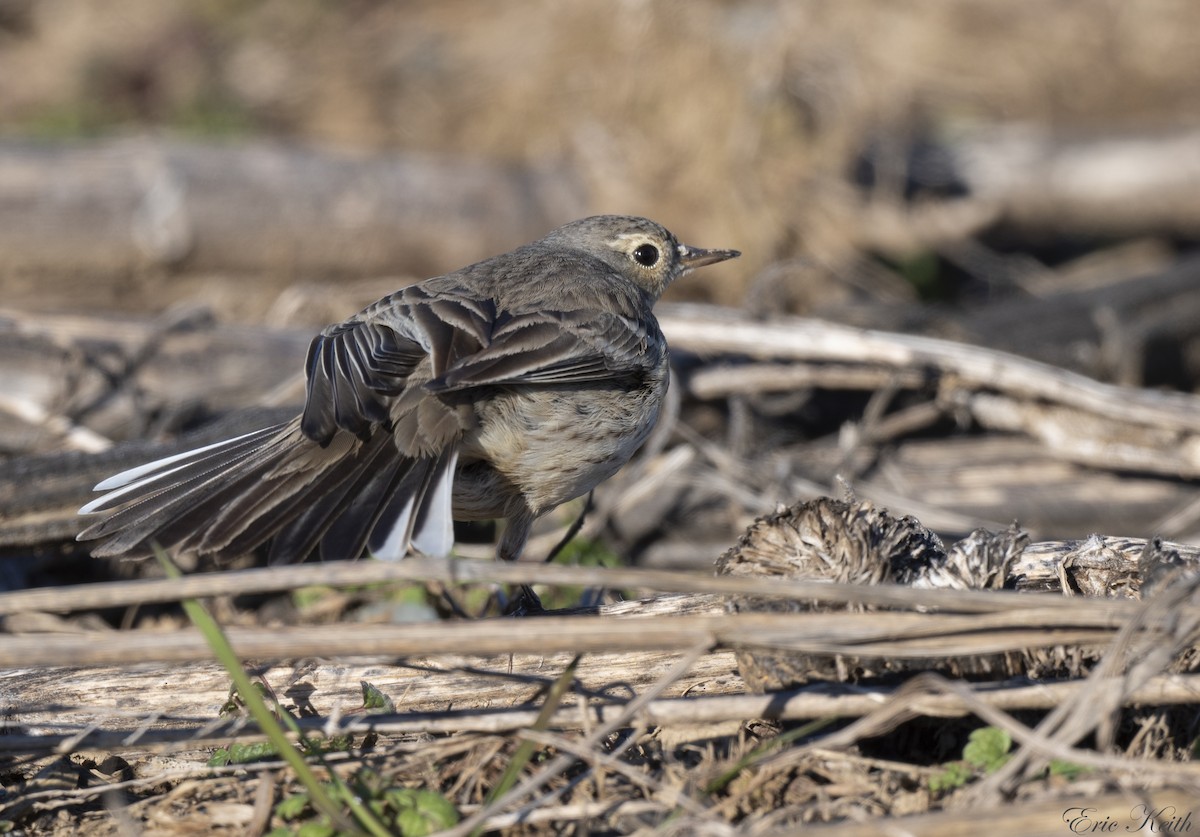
525	603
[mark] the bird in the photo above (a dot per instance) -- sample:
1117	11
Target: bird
496	392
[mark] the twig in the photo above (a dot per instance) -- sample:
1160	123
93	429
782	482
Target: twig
349	574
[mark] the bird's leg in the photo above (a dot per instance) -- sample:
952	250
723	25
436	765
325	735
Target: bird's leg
512	544
573	529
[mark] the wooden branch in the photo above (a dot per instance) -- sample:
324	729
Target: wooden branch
724	380
963	371
706	330
1086	437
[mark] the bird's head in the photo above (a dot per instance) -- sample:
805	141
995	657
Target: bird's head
637	248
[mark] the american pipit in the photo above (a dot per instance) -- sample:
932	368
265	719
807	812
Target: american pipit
500	390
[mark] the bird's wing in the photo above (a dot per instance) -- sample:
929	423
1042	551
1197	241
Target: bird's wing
374	367
554	347
352	369
358	368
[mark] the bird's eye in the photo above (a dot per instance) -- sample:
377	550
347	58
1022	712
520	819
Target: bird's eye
646	254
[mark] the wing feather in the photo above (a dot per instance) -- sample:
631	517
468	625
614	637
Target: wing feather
556	348
353	368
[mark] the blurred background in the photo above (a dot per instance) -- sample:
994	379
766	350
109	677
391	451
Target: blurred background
1018	175
806	134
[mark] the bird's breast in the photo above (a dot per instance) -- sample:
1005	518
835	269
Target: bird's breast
557	443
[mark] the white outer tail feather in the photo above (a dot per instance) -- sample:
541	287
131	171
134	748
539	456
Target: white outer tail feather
143	476
436	534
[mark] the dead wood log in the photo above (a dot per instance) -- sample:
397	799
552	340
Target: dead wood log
1099	185
1043	184
447	695
122	205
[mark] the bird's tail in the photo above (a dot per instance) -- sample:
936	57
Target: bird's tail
228	498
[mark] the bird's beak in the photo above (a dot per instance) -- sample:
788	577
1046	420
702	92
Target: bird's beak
693	257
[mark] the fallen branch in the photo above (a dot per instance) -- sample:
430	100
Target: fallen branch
182	724
1111	424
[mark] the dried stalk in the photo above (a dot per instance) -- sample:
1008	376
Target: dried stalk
1039	561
